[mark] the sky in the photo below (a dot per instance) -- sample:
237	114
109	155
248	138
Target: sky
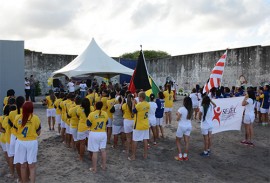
121	26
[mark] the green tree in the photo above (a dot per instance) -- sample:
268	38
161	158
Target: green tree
148	54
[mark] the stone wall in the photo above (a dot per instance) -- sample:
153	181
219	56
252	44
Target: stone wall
187	70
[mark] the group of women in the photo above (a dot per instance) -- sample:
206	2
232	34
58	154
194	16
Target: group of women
19	129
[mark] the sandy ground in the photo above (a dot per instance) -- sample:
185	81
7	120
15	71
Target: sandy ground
229	162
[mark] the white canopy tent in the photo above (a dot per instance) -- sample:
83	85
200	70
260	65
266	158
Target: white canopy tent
93	61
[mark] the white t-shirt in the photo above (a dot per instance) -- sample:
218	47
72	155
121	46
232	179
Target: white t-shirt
152	111
183	120
194	99
27	85
207	123
249	108
137	99
71	87
83	87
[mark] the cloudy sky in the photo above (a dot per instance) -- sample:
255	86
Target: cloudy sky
120	26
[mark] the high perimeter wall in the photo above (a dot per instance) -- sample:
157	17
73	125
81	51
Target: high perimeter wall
252	63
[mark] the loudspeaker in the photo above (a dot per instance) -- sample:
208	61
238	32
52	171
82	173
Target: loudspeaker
56	83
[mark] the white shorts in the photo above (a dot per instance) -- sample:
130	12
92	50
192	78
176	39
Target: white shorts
248	119
160	121
67	129
51	112
82	135
109	122
183	130
63	124
11	150
128	125
140	135
26	151
73	132
152	121
4	147
258	106
205	131
263	111
97	141
195	106
58	118
117	129
166	109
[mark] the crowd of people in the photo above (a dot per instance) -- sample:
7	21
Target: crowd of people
89	120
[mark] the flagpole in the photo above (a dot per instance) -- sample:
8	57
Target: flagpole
224	67
144	61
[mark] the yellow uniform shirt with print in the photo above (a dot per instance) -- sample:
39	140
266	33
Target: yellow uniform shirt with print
64	109
50	103
57	104
104	101
7	128
69	105
12	116
91	98
6	101
110	104
29	131
141	117
2	135
168	99
127	113
74	120
98	120
82	127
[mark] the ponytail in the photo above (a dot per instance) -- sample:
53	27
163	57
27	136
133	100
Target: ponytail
27	112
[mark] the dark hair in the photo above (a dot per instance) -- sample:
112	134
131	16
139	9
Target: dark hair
28	109
52	96
57	94
188	105
169	87
205	104
137	91
11	100
120	100
152	97
62	95
129	102
90	90
194	90
78	100
10	93
99	106
161	95
251	94
19	103
112	94
227	89
6	110
86	106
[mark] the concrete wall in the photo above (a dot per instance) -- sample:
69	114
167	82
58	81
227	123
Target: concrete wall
11	68
187	70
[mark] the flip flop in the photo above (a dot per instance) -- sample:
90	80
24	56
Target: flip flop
92	170
103	168
131	159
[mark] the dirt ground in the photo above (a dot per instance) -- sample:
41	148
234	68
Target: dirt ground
230	161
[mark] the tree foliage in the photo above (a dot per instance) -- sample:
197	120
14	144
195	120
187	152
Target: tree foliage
148	55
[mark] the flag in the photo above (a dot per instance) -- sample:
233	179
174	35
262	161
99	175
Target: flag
154	88
227	114
140	79
216	74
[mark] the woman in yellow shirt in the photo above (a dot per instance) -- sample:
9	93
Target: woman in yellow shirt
97	121
141	124
109	104
26	147
83	132
58	110
51	112
168	94
128	121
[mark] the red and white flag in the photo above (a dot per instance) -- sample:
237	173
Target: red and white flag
216	74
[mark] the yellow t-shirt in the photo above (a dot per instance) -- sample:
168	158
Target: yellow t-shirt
7	127
6	101
29	131
110	104
91	98
104	101
82	127
2	135
74	120
98	119
168	99
50	103
127	113
63	105
12	116
57	104
141	117
69	105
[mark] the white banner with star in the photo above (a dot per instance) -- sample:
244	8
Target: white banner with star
228	114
